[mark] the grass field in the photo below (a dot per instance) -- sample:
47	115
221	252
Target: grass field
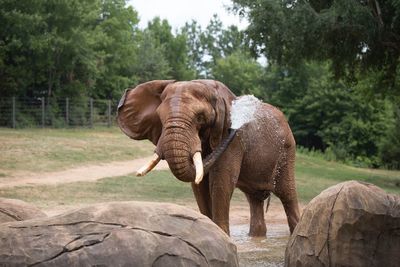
40	150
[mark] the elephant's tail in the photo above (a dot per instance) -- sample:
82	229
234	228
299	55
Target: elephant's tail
268	202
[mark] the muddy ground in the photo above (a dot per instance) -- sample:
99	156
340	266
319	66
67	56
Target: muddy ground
260	251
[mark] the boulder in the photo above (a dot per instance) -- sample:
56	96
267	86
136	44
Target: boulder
17	210
118	234
350	224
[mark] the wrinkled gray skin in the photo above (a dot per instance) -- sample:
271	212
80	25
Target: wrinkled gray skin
195	116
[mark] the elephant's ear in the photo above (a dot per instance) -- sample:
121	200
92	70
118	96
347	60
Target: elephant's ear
137	116
222	107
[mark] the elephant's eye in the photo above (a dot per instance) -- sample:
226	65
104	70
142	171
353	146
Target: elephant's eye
201	119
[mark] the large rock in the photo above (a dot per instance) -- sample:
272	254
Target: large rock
118	234
350	224
17	210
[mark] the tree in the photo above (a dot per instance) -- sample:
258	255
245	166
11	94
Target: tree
174	49
116	34
207	46
41	35
218	42
360	39
241	73
18	20
192	32
389	149
329	115
66	48
355	35
151	63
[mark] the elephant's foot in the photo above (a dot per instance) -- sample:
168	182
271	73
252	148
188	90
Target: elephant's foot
258	230
257	222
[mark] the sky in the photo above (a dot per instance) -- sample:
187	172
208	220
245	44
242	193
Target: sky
177	12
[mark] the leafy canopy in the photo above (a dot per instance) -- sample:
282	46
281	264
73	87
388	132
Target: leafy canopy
355	35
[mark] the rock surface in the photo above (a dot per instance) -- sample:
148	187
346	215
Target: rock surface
350	224
17	210
118	234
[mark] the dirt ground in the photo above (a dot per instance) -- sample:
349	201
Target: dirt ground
84	173
263	251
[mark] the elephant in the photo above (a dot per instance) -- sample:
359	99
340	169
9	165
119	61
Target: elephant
189	121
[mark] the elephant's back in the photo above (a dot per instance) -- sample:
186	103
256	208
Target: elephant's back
273	126
269	131
267	140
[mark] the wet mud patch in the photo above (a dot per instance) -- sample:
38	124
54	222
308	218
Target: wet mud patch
261	251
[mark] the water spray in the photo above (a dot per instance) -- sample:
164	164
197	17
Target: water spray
242	112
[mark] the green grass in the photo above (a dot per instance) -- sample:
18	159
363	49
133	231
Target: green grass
43	150
40	150
156	186
313	175
160	186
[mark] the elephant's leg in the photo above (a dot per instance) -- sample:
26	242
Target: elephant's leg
202	195
223	178
220	199
285	190
292	211
257	221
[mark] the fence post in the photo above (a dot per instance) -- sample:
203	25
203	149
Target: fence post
109	113
14	124
91	112
43	111
67	111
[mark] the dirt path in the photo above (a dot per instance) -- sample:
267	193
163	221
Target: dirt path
84	173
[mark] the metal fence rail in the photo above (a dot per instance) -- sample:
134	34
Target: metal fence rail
51	112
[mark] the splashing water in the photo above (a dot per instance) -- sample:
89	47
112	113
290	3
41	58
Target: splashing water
243	110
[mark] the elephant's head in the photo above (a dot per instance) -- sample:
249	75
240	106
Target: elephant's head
183	119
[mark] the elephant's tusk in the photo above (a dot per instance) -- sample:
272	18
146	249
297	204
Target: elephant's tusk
198	164
149	166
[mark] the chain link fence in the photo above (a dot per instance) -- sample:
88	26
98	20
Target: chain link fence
51	112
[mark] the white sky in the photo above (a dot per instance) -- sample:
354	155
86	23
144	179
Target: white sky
177	12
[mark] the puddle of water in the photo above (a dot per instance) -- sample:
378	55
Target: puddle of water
261	251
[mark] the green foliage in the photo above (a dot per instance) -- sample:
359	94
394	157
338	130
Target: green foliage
192	32
356	35
173	48
116	32
73	48
241	73
328	115
151	62
389	150
360	40
207	46
94	48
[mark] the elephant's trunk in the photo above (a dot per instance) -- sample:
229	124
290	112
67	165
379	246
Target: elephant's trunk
180	156
178	152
